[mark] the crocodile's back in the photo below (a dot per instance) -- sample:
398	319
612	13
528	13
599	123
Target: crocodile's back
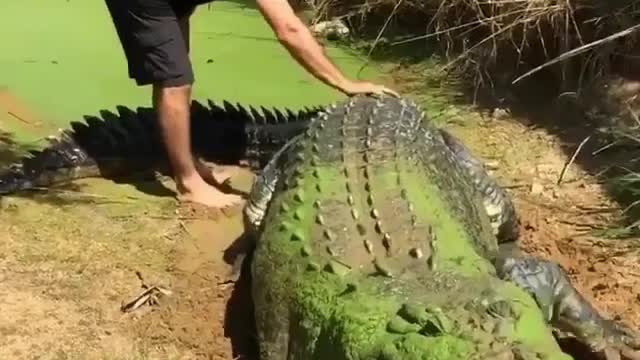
371	223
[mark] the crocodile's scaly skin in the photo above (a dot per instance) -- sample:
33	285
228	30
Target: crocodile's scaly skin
496	201
375	245
122	143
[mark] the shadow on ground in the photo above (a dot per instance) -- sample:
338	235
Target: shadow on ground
239	320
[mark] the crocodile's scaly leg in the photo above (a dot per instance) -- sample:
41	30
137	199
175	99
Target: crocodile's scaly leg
566	309
496	201
253	213
274	342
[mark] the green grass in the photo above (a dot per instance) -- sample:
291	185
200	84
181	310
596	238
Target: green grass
63	59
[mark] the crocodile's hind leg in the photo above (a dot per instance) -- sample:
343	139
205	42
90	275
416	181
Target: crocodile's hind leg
271	311
253	213
497	201
272	316
566	309
256	207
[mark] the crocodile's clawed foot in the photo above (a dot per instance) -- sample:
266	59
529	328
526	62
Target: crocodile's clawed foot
237	255
605	339
236	271
567	310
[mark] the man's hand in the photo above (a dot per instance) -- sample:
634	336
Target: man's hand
351	88
304	48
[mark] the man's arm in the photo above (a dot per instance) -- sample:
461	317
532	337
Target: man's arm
303	47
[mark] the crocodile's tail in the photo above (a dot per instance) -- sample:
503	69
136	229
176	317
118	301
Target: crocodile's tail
247	134
106	146
122	143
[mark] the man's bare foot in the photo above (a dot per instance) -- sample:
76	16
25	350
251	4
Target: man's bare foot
196	190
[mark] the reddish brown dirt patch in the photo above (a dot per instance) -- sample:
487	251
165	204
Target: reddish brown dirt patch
207	315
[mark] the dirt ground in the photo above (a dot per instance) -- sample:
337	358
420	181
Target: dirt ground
70	258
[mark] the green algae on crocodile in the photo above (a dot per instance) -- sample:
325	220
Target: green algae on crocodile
373	243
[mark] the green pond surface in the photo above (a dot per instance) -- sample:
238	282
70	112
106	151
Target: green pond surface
62	59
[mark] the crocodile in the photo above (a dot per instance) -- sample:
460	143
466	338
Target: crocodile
371	241
113	145
127	142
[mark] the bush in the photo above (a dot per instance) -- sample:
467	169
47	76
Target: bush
505	37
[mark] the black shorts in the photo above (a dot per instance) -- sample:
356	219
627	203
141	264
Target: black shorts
152	40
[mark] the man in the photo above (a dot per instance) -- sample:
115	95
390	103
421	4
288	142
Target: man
155	38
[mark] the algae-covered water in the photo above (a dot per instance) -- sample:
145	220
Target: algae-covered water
61	59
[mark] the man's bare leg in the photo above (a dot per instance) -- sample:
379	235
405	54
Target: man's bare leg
172	107
206	173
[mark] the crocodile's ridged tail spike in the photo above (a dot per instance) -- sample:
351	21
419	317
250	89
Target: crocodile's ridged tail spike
116	144
267	131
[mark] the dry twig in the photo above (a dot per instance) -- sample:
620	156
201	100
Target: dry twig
573	158
578	51
150	295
